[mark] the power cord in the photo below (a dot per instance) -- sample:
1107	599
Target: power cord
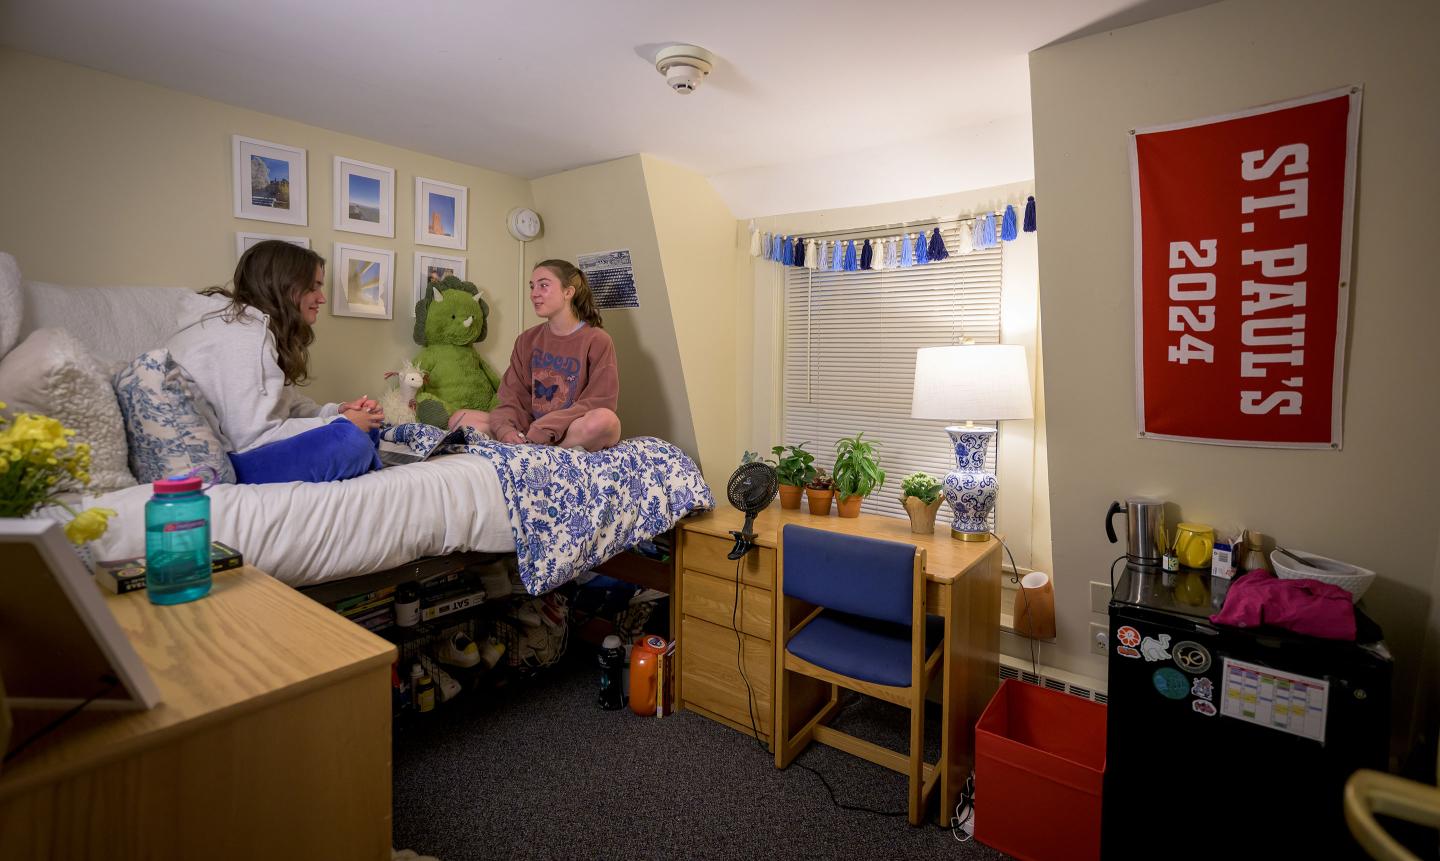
1015	578
110	681
750	701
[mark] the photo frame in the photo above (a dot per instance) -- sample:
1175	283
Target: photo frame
440	213
364	197
269	181
430	267
58	640
243	241
364	282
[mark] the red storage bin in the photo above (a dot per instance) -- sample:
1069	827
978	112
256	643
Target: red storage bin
1039	768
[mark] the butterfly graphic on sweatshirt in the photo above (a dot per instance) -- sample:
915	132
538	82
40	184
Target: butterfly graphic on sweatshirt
546	392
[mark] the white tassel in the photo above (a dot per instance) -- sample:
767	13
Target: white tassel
754	242
812	259
967	241
877	255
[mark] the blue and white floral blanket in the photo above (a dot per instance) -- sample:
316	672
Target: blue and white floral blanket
571	510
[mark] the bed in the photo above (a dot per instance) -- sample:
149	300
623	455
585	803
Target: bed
559	511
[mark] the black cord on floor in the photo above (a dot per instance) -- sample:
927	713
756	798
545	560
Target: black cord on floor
110	683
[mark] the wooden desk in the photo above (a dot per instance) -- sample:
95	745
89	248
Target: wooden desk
962	584
273	740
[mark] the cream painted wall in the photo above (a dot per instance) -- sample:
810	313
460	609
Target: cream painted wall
111	181
1014	511
605	207
1374	503
699	254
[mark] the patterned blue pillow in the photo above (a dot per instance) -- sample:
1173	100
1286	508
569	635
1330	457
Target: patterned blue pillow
170	426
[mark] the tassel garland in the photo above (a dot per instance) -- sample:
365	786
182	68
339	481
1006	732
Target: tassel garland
937	250
1007	227
1030	214
867	256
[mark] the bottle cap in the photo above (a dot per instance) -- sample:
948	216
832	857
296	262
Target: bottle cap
610	642
177	484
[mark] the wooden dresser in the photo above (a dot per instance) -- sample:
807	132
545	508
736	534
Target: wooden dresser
962	584
272	740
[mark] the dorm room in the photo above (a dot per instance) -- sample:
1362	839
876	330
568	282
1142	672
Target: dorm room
777	223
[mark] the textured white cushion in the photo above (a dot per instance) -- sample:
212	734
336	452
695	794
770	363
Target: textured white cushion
52	373
12	304
172	429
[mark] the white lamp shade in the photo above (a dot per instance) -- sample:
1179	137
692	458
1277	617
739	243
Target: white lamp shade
974	382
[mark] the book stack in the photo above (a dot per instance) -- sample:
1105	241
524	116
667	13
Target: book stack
371	610
450	592
127	575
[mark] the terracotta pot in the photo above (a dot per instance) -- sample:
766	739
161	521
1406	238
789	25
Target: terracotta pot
819	500
790	496
849	506
922	516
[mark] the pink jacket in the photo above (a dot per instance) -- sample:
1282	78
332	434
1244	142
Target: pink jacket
1306	607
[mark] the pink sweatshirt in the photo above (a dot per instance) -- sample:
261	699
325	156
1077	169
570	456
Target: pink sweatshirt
553	380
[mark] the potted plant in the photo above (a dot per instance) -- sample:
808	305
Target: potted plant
819	490
795	470
920	494
857	473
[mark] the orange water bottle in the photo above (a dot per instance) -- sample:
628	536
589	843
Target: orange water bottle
644	661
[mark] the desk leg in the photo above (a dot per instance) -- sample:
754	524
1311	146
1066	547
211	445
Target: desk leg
971	608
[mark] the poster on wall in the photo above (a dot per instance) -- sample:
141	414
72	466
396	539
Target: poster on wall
1243	230
611	277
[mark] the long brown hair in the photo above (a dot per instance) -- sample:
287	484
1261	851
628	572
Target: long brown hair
271	277
583	301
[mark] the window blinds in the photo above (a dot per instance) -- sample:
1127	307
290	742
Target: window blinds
849	356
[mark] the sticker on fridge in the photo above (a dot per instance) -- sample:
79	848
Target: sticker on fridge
1274	699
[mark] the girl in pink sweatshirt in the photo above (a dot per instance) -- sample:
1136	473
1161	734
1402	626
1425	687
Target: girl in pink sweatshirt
562	385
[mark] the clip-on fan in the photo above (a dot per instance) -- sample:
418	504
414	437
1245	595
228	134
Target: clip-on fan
751	489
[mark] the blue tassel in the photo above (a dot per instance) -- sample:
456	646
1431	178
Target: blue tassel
765	246
1007	226
799	251
777	252
907	255
787	252
937	249
850	256
922	255
1030	214
867	256
990	230
837	257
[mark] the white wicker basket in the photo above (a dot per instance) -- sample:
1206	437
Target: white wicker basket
1299	565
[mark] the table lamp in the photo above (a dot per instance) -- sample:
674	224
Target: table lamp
974	382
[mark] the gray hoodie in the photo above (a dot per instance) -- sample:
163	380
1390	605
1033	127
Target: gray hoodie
237	369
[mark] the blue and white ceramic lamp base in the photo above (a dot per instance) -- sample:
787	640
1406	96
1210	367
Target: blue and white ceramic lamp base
970	488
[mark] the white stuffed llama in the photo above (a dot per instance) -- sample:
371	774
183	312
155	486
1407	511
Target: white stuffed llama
399	402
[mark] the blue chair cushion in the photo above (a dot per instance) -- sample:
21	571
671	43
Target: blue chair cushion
861	648
332	452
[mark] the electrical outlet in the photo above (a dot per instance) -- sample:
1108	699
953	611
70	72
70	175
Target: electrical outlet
1099	597
1099	639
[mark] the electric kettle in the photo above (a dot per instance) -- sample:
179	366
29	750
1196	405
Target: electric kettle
1144	529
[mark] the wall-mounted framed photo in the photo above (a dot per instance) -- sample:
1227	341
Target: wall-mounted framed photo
243	241
269	181
440	213
364	197
431	268
364	282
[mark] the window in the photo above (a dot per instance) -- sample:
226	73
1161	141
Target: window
850	341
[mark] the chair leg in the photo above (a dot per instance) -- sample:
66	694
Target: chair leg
917	754
780	733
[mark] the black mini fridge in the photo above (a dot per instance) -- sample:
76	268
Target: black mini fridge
1227	742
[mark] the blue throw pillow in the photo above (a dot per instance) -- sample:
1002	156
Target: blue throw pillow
334	452
169	426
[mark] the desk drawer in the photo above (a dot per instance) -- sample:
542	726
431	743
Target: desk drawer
707	553
713	600
711	680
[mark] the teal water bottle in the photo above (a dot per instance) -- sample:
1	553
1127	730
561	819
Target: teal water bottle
177	541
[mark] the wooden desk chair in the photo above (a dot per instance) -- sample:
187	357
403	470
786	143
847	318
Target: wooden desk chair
1370	792
868	633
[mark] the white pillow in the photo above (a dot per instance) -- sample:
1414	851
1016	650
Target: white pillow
172	429
52	373
12	303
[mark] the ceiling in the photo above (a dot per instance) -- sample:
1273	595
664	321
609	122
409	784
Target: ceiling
813	88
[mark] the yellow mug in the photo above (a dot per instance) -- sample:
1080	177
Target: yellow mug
1193	544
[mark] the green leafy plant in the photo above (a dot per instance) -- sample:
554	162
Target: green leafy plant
920	486
857	467
821	480
796	468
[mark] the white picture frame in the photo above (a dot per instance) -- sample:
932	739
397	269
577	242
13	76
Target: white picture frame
243	241
57	636
259	169
440	213
364	197
427	264
363	282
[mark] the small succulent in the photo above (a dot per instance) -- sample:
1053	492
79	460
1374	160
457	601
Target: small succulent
920	486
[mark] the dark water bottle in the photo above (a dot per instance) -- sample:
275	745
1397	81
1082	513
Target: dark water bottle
612	662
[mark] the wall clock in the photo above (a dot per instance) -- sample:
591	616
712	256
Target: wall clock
524	223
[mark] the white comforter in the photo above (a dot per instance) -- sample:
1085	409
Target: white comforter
306	533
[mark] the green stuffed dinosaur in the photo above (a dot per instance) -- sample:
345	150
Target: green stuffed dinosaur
448	320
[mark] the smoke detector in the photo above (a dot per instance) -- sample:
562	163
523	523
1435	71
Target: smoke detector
684	66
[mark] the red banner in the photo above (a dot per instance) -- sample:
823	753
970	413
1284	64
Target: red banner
1243	230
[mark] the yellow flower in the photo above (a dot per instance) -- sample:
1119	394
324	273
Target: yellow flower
89	525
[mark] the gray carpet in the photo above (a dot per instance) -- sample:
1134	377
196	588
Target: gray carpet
536	769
